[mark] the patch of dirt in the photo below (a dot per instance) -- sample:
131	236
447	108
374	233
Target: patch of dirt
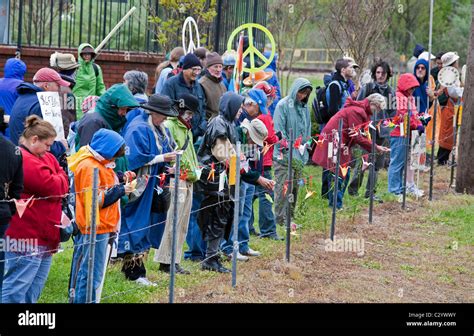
399	258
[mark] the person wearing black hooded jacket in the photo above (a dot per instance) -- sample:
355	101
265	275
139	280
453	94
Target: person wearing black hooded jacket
11	186
218	144
215	222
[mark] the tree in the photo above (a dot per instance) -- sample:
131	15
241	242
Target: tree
356	27
286	19
465	171
169	26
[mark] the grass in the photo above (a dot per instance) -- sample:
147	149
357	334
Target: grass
456	212
459	219
312	214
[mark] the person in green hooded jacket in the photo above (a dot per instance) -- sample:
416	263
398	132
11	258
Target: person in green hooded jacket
109	113
89	80
291	113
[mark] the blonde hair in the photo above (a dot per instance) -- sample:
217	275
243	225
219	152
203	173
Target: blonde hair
35	126
377	98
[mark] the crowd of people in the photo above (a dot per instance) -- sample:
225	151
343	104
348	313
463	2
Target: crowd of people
133	139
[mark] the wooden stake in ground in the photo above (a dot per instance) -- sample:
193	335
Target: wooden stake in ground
465	171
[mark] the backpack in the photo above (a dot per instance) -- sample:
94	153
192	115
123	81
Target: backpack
96	69
321	101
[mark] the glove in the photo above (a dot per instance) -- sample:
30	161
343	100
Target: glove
279	135
425	119
421	129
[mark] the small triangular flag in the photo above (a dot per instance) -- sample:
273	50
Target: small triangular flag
21	205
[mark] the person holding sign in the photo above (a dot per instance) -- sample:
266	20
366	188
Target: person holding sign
28	103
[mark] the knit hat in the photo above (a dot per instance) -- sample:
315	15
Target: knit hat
269	90
229	58
187	102
190	60
213	58
257	130
260	98
89	104
418	50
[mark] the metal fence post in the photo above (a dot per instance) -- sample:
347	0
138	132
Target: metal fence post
289	196
336	180
175	220
235	235
92	237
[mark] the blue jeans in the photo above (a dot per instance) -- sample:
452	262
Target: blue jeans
25	276
341	188
266	217
77	256
245	212
80	291
3	228
397	165
197	246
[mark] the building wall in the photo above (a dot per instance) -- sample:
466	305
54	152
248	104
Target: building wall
113	65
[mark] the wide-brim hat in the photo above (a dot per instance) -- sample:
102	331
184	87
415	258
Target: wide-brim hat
65	61
257	130
259	76
89	50
449	58
160	104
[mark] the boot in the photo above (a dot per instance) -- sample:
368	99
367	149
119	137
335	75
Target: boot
213	264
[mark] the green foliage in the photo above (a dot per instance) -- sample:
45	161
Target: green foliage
451	26
168	24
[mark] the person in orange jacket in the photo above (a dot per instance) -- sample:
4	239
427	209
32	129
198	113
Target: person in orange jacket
105	146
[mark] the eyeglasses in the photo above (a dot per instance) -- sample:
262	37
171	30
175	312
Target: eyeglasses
420	68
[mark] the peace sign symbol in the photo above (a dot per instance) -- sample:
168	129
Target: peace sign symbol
188	26
251	49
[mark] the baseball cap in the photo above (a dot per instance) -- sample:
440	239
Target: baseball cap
49	75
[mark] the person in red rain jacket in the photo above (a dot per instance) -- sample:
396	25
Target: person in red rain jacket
354	115
35	231
405	102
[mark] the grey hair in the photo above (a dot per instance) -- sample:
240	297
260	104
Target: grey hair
249	100
137	81
377	98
